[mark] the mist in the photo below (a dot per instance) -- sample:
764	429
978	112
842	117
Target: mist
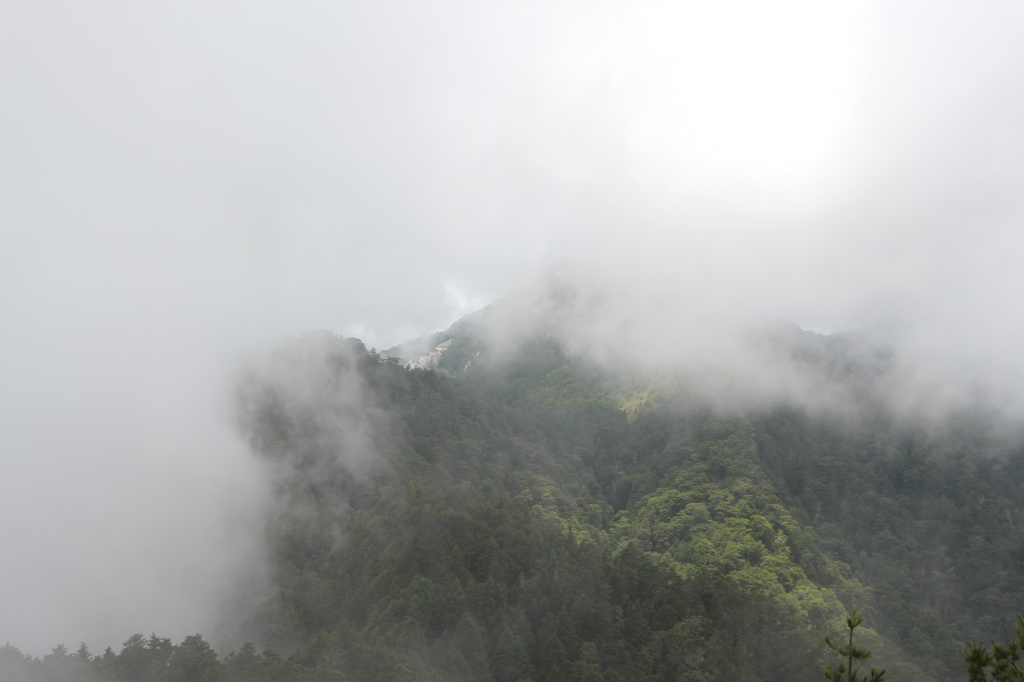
182	186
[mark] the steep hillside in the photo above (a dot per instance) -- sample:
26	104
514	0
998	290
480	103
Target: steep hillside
568	529
490	504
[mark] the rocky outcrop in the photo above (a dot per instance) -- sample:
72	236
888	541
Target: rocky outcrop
429	360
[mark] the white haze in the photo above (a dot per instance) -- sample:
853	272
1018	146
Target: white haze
183	184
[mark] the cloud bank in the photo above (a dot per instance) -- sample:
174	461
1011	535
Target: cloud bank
183	184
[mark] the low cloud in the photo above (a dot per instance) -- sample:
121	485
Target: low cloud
183	186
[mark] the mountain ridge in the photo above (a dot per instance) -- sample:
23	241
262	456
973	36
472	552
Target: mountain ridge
530	509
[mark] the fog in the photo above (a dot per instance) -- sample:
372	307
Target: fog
184	185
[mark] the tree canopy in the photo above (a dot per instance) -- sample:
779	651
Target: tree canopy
541	518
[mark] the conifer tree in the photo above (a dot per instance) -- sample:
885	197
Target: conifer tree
846	672
1001	664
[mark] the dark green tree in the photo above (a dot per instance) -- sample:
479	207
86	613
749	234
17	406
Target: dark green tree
243	665
510	661
848	651
194	660
1000	664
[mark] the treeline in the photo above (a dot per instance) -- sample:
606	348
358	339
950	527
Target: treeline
153	659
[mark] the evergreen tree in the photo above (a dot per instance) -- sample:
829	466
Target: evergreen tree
1000	664
194	660
846	671
510	661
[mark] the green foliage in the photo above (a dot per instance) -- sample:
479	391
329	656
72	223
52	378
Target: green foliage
1001	663
926	520
515	532
527	516
141	660
851	653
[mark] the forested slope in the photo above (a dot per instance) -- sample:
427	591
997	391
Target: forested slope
532	515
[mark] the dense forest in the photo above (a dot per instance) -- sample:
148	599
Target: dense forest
533	515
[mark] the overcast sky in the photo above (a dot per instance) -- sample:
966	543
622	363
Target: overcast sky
182	184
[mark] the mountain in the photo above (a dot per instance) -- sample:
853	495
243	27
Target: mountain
516	498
